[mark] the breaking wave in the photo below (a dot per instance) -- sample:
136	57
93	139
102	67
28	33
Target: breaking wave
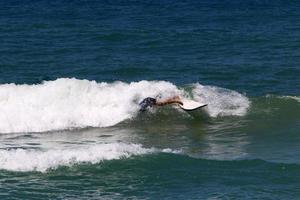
71	103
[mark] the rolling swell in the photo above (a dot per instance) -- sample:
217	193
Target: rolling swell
156	175
24	160
274	107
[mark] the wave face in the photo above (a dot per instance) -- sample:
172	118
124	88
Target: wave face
72	103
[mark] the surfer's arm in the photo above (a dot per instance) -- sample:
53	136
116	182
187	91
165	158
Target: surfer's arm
169	101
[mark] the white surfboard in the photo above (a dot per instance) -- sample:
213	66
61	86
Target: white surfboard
190	105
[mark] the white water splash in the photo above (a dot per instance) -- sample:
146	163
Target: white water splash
66	103
221	102
72	103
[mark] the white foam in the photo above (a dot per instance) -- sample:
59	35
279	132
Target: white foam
221	102
69	103
38	160
297	98
72	103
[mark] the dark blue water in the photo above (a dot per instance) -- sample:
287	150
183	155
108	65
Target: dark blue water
54	145
251	46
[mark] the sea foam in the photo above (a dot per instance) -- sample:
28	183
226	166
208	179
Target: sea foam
67	103
42	160
71	103
297	98
221	101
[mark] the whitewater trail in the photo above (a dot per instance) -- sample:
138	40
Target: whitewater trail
71	103
42	160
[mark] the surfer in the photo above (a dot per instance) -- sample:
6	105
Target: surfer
150	102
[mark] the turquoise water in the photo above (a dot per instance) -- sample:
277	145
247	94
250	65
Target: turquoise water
73	72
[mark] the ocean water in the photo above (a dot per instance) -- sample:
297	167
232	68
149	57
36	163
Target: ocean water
73	72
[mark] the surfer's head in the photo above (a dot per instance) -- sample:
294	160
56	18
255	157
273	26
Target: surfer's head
147	102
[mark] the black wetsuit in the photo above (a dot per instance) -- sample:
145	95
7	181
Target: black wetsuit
147	102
